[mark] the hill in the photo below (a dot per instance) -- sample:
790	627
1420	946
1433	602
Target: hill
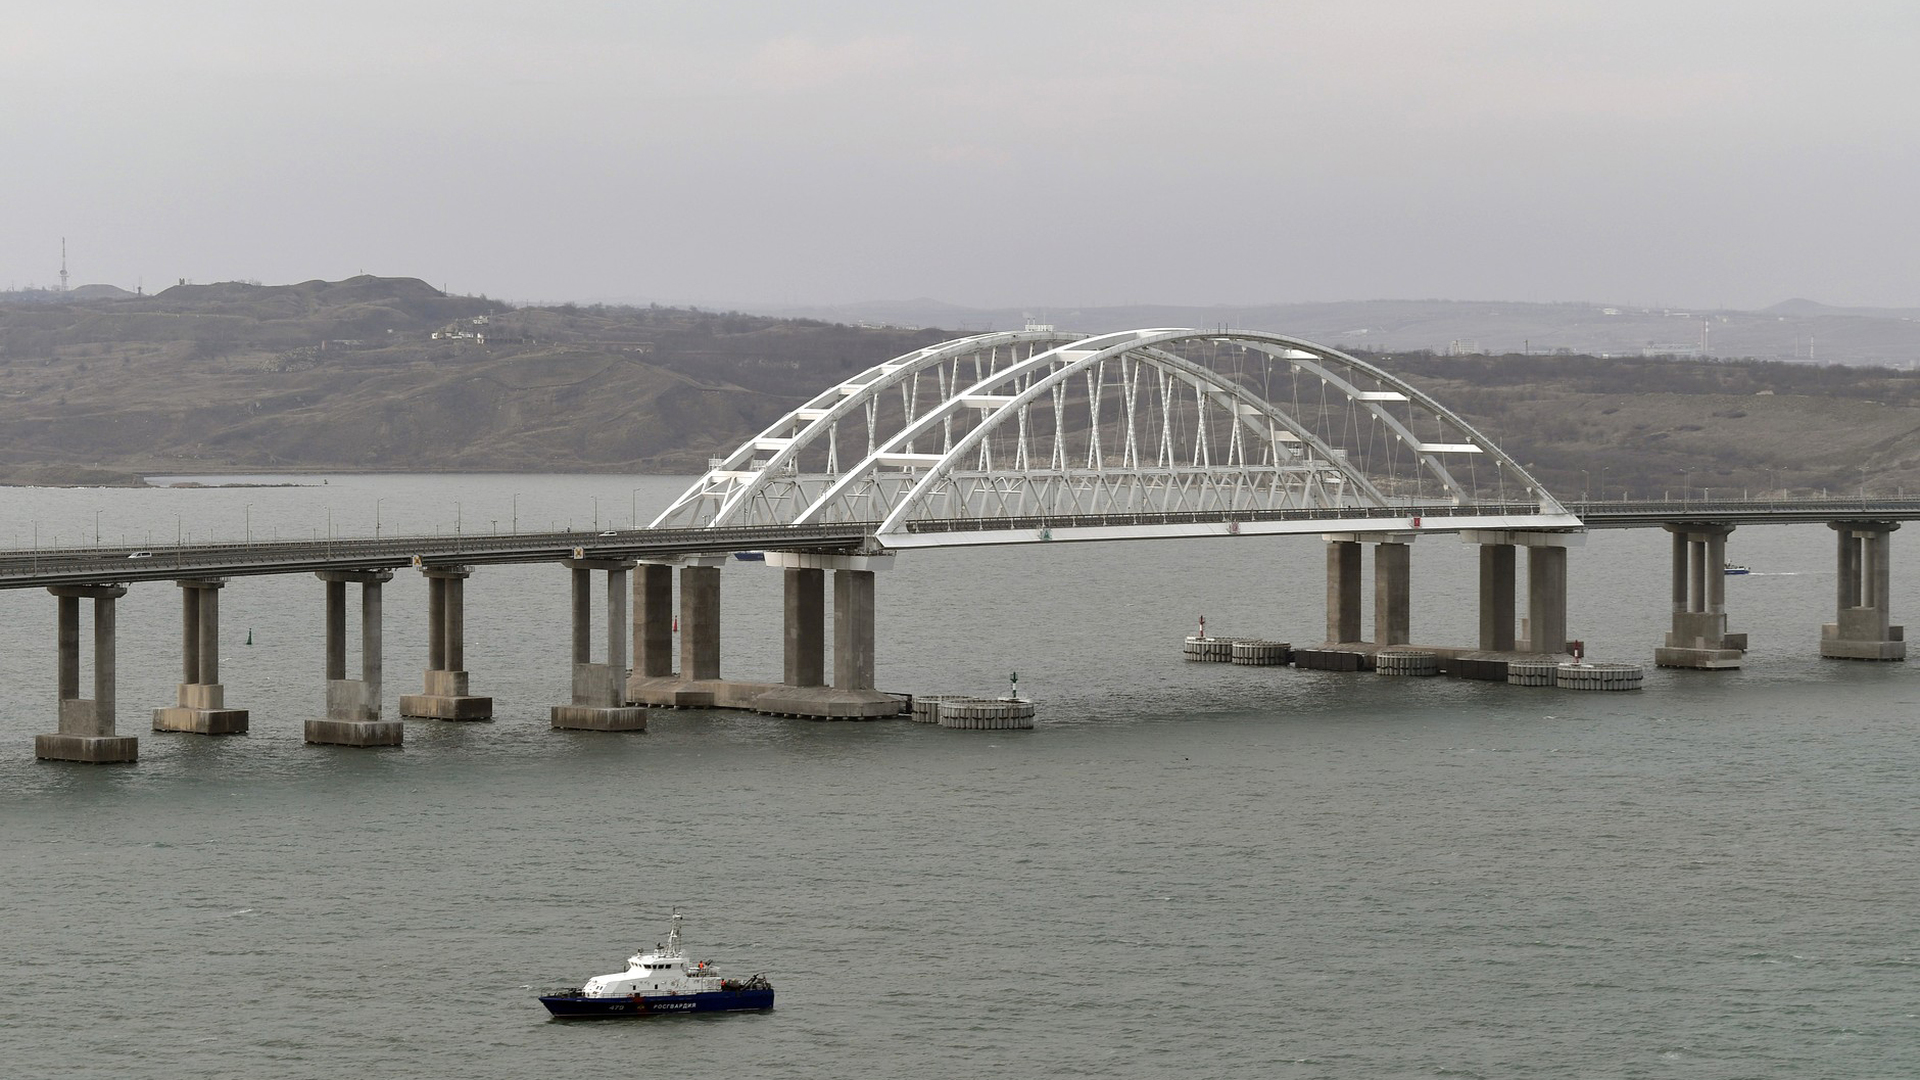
392	374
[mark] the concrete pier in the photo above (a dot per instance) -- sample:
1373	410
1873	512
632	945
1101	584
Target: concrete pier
1699	637
803	691
1862	628
353	705
200	702
1546	601
448	695
698	684
1392	588
86	724
600	689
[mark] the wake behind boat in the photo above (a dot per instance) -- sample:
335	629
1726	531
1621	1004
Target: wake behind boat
659	982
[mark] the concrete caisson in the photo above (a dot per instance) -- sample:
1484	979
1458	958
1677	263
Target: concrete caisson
985	714
1599	676
1209	650
1402	661
1254	652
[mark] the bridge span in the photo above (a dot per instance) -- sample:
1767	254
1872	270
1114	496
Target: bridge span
1015	437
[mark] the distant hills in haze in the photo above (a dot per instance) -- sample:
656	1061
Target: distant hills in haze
1800	330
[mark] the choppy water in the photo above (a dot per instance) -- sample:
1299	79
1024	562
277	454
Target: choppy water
1188	869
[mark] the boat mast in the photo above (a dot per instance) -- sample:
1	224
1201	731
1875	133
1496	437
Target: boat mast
673	936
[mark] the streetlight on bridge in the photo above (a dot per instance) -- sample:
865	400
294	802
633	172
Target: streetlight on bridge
247	511
376	516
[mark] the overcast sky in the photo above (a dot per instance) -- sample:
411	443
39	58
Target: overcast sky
1033	153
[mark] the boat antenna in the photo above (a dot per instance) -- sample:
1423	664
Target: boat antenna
673	936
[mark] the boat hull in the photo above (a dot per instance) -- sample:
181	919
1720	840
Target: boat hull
635	1006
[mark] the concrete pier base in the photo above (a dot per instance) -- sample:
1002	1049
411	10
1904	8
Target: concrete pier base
201	721
356	732
598	718
827	703
92	749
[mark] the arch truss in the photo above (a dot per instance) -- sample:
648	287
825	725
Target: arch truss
1034	435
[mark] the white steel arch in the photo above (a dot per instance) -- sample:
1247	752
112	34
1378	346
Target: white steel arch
1025	436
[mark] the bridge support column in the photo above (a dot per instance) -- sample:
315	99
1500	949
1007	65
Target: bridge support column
653	682
1546	620
1392	593
1547	599
700	622
802	693
1496	597
353	705
447	695
653	621
599	690
1699	638
1862	628
805	625
200	702
1343	590
86	724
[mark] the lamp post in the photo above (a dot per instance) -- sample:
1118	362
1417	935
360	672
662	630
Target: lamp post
1684	482
596	513
633	508
1586	486
247	511
456	518
1603	483
376	516
96	513
516	513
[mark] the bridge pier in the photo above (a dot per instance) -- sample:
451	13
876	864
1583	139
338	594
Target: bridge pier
1546	621
1699	637
353	705
447	694
803	690
1392	588
200	703
599	690
653	682
86	724
1862	628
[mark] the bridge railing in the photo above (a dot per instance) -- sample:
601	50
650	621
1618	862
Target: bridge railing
1068	521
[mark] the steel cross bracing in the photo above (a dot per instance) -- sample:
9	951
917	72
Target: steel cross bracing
1034	435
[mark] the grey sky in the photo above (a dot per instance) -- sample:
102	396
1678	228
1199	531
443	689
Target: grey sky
983	153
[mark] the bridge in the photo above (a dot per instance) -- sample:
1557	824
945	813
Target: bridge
1031	436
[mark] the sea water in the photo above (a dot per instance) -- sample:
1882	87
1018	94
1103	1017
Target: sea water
1186	869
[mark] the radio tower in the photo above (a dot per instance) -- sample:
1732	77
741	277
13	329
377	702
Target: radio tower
63	264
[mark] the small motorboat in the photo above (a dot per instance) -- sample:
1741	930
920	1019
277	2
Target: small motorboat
1736	568
659	983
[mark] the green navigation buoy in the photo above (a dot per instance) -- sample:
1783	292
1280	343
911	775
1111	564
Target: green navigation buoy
249	635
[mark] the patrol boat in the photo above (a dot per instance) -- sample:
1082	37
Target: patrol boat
657	983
